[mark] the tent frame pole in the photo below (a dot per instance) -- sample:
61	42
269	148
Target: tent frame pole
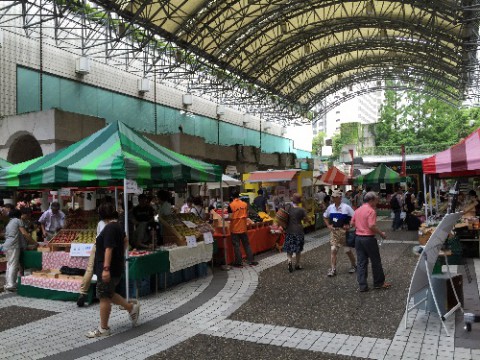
225	267
431	194
125	211
425	197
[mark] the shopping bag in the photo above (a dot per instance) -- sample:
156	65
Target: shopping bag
350	240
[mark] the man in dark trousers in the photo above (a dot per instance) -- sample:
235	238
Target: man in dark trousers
365	221
238	213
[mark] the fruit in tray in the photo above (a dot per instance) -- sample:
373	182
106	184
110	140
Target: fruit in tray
185	231
81	222
191	217
86	237
64	237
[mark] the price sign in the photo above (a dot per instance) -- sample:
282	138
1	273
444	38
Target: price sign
81	250
208	238
191	241
189	224
132	187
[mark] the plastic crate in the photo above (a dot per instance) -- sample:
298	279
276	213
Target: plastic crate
189	273
143	286
201	269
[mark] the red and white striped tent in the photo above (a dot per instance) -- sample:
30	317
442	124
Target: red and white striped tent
334	177
462	159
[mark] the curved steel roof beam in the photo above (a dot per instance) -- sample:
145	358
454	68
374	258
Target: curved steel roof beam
286	75
330	26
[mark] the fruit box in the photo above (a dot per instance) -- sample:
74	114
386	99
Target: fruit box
70	277
49	274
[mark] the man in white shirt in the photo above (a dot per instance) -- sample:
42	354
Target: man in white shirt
52	221
337	218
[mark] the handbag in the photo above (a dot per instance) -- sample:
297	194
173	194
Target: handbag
350	238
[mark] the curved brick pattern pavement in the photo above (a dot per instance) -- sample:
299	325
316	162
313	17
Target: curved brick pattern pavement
214	299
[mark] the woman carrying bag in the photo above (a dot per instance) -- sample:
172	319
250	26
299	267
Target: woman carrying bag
295	235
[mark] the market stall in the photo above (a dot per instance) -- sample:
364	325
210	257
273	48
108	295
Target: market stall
112	156
382	175
281	185
334	177
459	161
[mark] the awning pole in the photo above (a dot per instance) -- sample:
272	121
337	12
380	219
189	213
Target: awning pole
225	266
116	198
431	195
425	197
125	212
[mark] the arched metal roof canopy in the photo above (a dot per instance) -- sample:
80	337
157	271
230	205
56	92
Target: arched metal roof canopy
302	51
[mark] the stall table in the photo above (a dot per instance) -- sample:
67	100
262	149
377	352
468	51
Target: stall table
261	239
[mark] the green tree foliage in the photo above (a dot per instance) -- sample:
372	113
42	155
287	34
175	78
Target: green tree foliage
317	142
349	135
413	119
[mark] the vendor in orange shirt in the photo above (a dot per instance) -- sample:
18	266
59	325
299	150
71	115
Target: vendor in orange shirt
238	213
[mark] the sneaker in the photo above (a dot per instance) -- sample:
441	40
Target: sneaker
353	269
331	272
253	263
134	314
99	332
81	300
10	289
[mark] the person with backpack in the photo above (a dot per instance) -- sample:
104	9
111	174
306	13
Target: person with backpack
396	206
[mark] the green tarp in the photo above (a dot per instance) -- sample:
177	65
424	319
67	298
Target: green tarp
382	174
106	158
4	163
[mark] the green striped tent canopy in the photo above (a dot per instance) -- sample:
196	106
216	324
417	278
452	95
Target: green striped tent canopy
106	158
382	174
4	163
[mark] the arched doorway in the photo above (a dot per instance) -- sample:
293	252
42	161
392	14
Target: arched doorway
23	147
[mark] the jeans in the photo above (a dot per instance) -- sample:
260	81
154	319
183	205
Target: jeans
397	221
243	237
367	248
13	262
87	278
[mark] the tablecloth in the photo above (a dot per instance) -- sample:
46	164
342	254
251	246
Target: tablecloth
183	257
261	239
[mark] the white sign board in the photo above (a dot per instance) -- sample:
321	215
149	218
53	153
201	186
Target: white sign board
81	250
64	192
208	238
132	187
191	241
430	252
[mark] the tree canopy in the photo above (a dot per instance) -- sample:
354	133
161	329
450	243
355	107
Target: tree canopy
317	142
416	120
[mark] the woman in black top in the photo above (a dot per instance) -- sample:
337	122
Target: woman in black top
109	267
295	235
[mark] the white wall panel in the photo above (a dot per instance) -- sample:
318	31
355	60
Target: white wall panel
20	50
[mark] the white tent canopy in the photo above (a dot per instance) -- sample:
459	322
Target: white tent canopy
227	181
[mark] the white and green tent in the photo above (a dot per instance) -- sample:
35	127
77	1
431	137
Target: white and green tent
106	158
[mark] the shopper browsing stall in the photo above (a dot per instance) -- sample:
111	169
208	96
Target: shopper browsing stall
295	234
52	221
109	267
13	232
197	208
261	202
142	215
187	207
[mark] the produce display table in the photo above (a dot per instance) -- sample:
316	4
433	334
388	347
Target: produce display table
31	259
261	239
